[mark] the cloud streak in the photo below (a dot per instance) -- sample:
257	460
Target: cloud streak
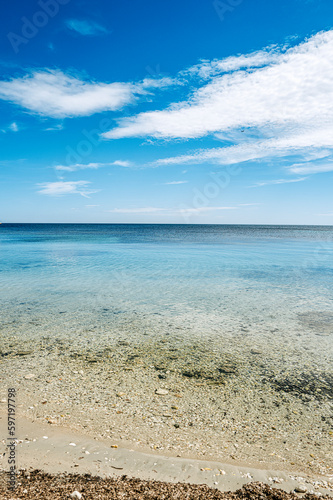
94	166
168	211
278	181
62	188
85	27
312	167
56	94
297	144
172	183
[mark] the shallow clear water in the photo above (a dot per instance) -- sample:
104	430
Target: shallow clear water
268	286
236	322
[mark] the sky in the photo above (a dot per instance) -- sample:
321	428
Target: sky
165	111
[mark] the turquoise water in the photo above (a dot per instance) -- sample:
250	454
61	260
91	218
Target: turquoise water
235	320
270	284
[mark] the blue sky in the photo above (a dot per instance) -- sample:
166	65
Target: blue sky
162	111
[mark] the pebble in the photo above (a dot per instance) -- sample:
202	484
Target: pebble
72	444
301	488
45	437
75	494
161	392
29	376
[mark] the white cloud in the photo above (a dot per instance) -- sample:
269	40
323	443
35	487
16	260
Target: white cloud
85	27
278	181
142	210
95	166
311	168
61	188
13	127
306	143
59	126
168	211
122	163
160	83
204	209
176	182
275	102
208	69
56	94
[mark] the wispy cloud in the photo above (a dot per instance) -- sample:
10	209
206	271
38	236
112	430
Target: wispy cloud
303	143
274	103
207	69
311	167
57	94
62	188
175	182
288	88
278	181
122	163
204	209
86	27
168	211
94	166
13	127
59	126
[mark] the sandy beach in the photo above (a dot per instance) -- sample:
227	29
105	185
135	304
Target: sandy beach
57	450
109	419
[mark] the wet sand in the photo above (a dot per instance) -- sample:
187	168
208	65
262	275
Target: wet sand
57	450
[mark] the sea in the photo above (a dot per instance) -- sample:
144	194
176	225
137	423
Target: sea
243	287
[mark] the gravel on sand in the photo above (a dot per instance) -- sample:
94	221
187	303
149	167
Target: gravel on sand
39	485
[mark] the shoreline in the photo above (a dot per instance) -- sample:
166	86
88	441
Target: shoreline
140	397
55	449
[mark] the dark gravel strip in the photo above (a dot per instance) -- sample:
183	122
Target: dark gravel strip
39	485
